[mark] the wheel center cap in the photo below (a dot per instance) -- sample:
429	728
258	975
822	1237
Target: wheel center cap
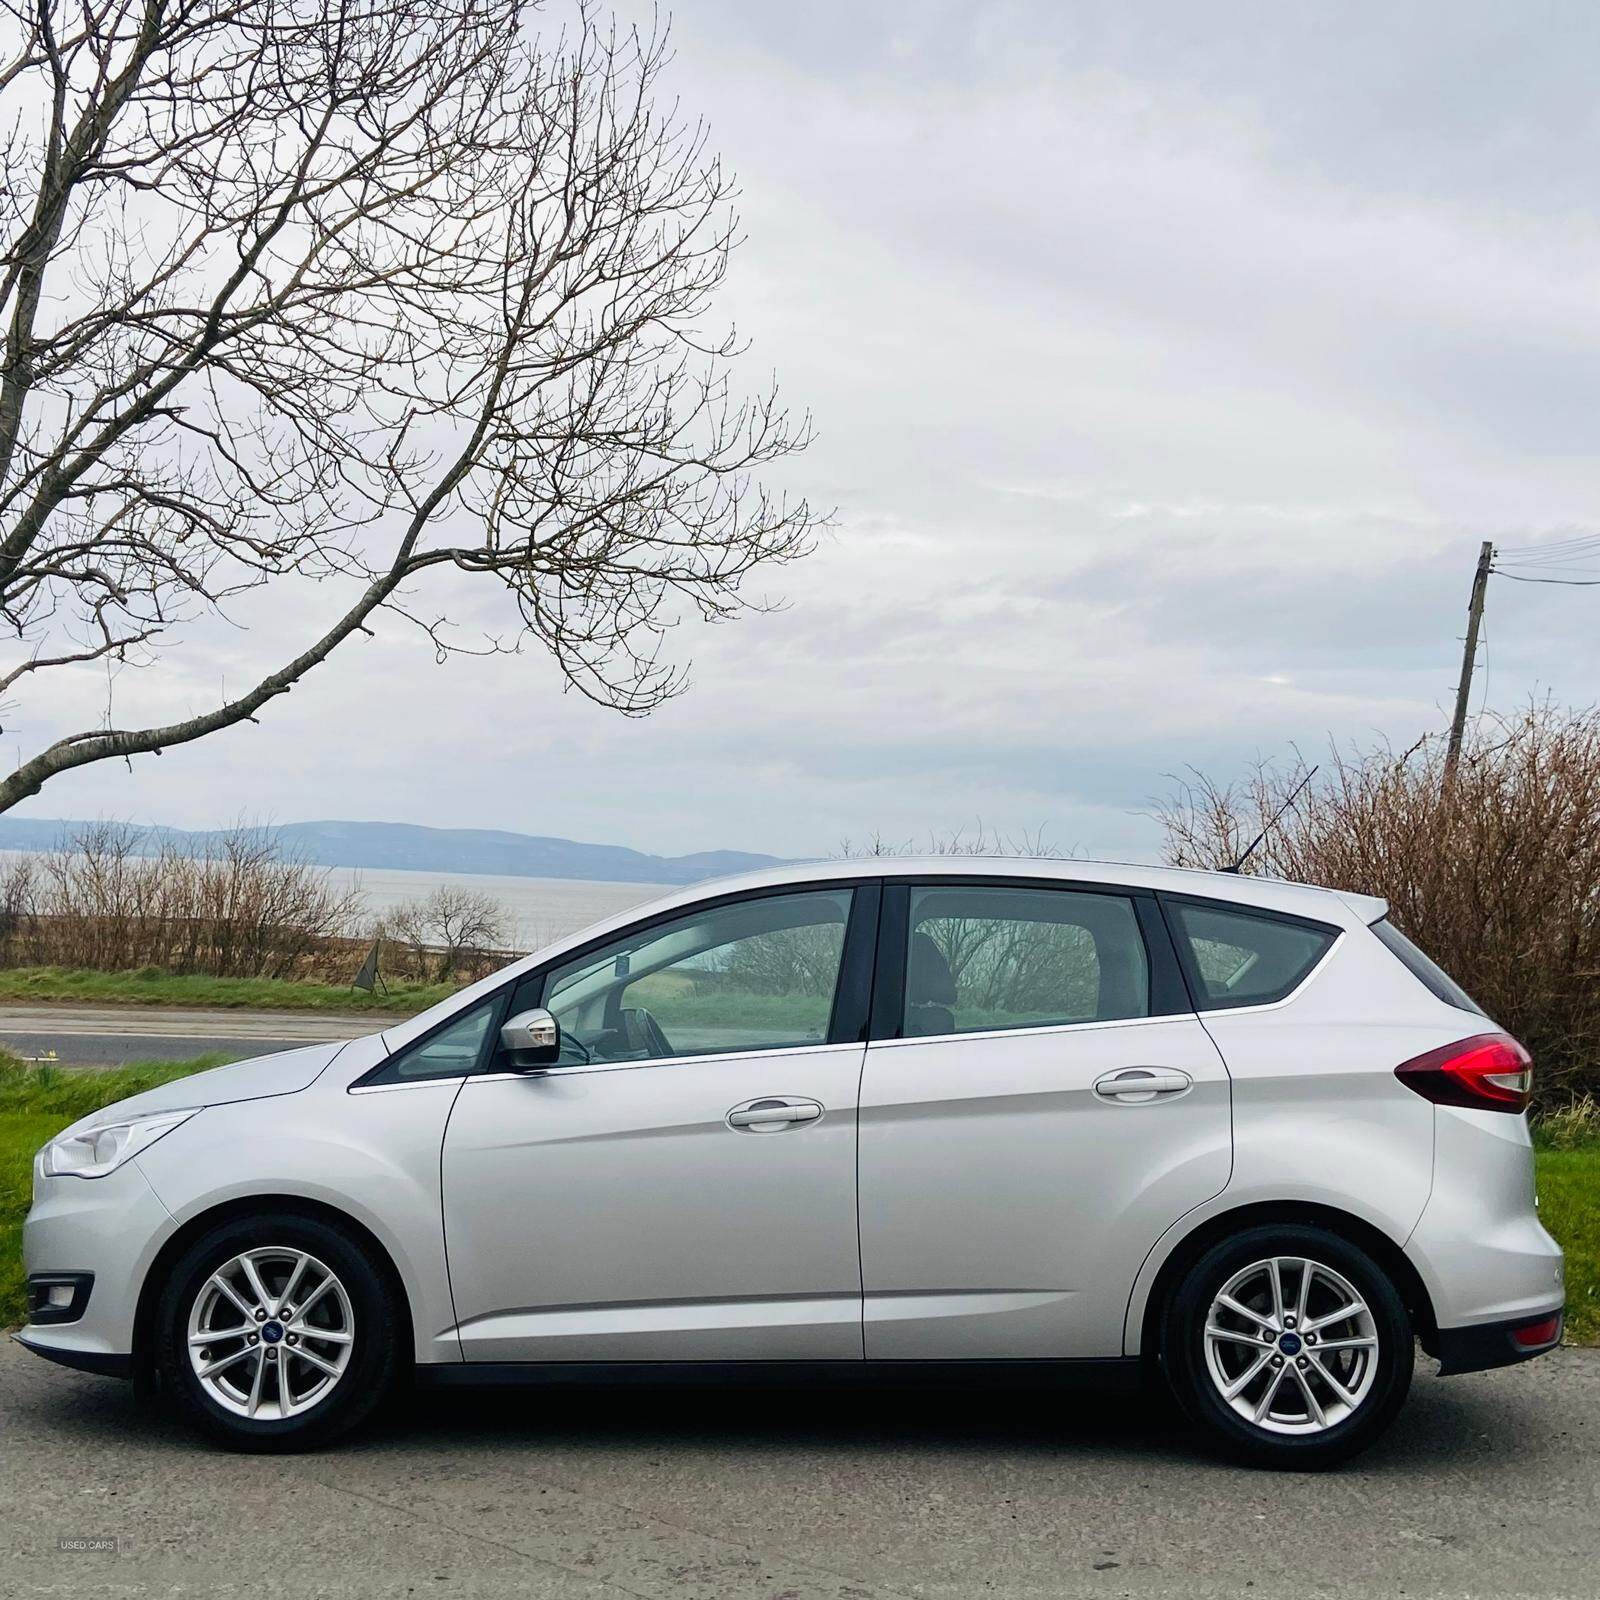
1290	1344
271	1332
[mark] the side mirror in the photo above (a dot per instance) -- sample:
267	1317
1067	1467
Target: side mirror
530	1040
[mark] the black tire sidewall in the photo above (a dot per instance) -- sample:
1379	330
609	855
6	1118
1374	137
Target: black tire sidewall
1183	1347
375	1356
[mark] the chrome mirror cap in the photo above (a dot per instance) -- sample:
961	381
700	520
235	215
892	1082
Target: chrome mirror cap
531	1038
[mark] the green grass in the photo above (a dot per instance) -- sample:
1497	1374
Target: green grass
37	1102
1569	1206
150	986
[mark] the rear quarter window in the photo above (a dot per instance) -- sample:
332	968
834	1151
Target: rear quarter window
1427	972
1239	957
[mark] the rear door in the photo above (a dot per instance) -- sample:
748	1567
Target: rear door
1039	1103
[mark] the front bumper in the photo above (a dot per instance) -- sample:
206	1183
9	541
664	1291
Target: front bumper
103	1366
105	1229
1497	1344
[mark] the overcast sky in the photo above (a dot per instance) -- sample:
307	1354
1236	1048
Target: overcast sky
1168	364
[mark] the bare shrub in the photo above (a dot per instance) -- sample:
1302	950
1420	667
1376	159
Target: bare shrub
980	841
1496	874
112	899
448	931
18	891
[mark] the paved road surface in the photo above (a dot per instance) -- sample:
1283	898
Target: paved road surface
1488	1486
111	1035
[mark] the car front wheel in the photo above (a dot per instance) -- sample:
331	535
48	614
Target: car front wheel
1289	1346
277	1332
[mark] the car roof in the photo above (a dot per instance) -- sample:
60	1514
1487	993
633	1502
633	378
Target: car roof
1269	894
1273	894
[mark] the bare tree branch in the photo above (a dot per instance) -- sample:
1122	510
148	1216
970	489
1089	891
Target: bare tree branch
346	291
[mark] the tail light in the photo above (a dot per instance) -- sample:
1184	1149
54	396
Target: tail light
1488	1072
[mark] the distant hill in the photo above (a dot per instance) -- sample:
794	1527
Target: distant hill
402	845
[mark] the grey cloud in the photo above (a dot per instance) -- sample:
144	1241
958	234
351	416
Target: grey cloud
1168	362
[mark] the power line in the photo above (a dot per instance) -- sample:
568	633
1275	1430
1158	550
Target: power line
1572	564
1550	546
1566	583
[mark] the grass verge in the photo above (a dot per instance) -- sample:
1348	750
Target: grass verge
36	1102
150	986
1569	1206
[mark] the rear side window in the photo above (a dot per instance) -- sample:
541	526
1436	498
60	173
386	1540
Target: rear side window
983	958
1246	958
1428	973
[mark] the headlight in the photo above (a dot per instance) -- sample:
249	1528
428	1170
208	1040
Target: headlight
93	1152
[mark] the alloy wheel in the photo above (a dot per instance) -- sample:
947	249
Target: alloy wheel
270	1333
1291	1345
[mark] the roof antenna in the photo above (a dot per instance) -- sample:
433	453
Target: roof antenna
1293	796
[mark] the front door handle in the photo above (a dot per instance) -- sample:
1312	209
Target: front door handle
1136	1086
773	1115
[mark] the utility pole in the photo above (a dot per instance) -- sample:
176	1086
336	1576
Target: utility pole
1469	657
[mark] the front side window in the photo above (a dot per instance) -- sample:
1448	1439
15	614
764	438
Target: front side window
985	958
754	975
1247	958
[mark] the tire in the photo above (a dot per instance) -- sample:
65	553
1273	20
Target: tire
339	1352
1337	1381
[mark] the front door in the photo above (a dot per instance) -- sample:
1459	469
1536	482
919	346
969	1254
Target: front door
1030	1120
682	1185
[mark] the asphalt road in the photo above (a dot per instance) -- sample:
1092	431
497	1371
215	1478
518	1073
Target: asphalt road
107	1036
1487	1486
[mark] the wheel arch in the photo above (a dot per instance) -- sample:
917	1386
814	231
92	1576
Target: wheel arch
246	1206
1355	1230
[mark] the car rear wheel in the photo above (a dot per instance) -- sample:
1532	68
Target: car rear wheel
277	1332
1289	1346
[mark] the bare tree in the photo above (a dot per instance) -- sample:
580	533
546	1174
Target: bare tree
348	290
447	928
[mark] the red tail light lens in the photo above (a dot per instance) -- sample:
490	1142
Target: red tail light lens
1488	1072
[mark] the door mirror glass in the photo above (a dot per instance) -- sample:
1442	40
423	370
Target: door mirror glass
530	1040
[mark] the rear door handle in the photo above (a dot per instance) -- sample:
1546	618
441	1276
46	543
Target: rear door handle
773	1115
1135	1086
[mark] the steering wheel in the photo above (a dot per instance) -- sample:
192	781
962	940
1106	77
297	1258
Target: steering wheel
643	1033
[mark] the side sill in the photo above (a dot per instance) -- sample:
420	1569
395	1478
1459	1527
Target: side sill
98	1362
1119	1373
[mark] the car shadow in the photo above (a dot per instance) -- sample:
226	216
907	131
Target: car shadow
1464	1423
1461	1423
817	1417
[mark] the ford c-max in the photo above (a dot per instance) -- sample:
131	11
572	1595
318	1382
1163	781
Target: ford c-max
875	1121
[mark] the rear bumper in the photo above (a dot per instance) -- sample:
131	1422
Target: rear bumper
1495	1344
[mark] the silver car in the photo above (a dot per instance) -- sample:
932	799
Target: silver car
908	1118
